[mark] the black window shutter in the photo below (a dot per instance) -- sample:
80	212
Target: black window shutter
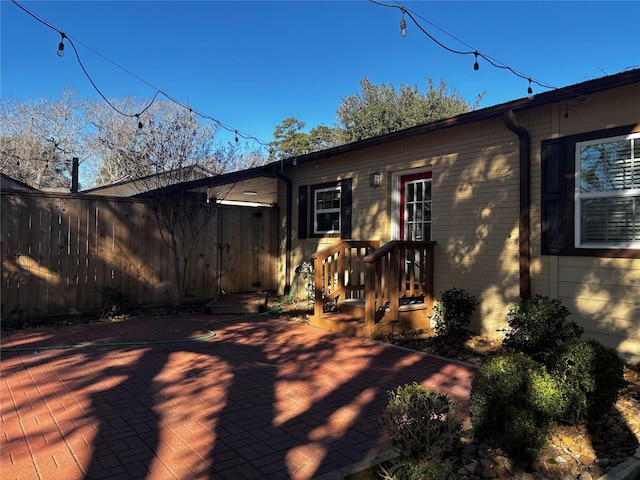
345	209
554	197
303	211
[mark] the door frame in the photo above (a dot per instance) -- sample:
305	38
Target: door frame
396	200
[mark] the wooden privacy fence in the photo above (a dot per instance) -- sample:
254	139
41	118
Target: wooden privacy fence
61	253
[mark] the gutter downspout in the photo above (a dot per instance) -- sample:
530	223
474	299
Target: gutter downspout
524	224
287	180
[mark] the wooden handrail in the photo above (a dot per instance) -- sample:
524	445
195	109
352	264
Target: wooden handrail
331	277
393	244
342	244
398	269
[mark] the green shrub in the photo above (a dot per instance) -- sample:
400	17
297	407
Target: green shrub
422	424
591	376
513	401
416	470
539	326
452	314
114	302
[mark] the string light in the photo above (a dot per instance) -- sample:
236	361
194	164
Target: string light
530	90
158	91
61	45
476	53
403	25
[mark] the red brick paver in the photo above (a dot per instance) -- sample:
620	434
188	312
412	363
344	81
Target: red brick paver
264	399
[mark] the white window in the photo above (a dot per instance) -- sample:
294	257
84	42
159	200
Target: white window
607	193
326	210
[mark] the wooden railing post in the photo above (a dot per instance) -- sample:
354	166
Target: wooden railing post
318	301
429	265
340	267
369	296
393	276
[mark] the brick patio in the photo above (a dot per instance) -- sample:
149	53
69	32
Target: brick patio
263	399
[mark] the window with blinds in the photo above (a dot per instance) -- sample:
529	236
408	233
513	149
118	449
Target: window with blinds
607	193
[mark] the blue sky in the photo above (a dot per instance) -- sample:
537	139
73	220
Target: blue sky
253	64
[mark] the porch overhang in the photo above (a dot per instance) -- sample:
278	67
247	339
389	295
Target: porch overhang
253	186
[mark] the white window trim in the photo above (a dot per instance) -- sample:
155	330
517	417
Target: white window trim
395	198
317	211
578	196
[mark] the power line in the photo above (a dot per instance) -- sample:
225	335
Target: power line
159	91
477	54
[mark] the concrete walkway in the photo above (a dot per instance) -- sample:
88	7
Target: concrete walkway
263	399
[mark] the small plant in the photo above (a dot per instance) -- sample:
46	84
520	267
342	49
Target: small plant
114	302
422	424
305	270
539	326
591	376
452	314
408	470
513	402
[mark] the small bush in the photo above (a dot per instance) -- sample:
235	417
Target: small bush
408	470
422	424
513	401
114	302
591	376
452	314
539	326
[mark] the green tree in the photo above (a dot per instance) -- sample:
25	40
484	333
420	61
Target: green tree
290	141
381	109
323	137
376	110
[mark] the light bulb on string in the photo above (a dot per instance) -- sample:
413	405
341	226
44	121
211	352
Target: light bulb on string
530	90
403	25
139	122
61	45
476	65
236	136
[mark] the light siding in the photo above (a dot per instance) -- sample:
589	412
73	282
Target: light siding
475	174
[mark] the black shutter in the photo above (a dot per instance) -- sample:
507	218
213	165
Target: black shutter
303	211
345	209
554	197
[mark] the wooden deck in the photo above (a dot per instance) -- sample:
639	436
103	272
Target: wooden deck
367	290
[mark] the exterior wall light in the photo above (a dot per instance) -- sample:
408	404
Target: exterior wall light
374	179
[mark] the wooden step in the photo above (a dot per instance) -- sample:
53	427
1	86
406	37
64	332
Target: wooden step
237	303
346	324
412	314
349	320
